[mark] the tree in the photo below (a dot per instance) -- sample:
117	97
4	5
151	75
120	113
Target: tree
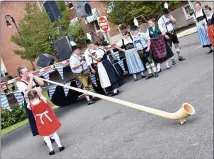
76	30
125	11
37	31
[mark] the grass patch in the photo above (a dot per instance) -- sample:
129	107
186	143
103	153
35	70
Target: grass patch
13	127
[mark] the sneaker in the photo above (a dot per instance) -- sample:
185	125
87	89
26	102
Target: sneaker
180	58
173	62
90	102
52	153
61	148
167	67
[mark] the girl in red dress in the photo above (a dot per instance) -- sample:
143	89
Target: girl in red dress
46	120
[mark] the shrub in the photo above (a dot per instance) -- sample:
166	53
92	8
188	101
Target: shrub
9	118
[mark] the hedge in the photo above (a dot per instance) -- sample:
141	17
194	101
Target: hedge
9	118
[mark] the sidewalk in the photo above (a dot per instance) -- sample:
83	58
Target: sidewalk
187	32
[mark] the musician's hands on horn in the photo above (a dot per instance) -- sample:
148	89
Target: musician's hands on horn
82	63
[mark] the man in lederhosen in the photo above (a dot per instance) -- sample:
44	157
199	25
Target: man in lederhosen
92	64
81	72
165	24
142	44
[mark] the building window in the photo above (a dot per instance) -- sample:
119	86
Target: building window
96	26
187	10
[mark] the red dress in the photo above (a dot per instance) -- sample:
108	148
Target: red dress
46	120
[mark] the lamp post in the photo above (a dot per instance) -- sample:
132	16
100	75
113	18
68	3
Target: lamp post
22	40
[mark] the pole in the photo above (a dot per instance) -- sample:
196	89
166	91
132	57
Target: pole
60	28
22	40
106	36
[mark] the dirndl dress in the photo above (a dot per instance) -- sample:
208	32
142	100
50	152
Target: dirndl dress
210	24
202	28
107	74
160	50
133	59
46	120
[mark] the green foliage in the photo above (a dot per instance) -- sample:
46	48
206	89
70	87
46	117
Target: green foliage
36	30
9	118
125	11
77	31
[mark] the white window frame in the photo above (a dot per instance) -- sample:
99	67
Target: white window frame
187	16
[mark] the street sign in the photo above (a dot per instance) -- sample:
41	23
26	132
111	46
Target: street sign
103	23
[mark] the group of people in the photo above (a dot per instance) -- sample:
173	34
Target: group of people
143	51
204	19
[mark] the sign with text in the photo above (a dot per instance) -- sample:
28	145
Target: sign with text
103	23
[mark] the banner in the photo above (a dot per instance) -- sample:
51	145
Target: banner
4	102
19	97
59	68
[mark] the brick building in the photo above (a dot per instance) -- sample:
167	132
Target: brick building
16	9
10	60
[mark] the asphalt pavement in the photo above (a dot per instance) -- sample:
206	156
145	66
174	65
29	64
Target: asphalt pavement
108	130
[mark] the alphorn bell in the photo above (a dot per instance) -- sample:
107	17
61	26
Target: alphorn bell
184	112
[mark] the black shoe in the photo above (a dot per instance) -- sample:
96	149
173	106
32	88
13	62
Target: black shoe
52	153
90	102
159	71
114	94
143	76
95	99
155	74
61	148
180	58
210	51
173	62
149	76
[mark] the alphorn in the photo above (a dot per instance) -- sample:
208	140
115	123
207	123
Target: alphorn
185	111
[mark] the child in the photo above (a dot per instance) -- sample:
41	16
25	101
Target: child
46	120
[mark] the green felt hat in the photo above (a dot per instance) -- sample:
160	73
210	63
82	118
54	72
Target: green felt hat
134	27
165	11
88	41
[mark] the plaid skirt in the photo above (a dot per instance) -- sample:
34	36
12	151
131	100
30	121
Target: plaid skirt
160	49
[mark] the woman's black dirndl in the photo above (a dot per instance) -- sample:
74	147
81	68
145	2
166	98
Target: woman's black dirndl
31	119
114	77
